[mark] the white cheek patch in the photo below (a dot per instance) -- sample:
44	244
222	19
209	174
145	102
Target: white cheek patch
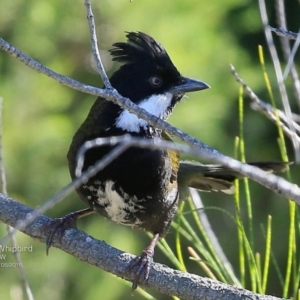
156	105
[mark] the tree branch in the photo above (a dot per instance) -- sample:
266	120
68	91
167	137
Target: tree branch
13	239
108	94
284	33
289	55
103	256
268	110
95	49
279	76
281	187
60	195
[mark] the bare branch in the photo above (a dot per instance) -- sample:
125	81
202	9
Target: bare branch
282	186
212	237
108	94
284	33
275	183
279	76
101	255
60	195
13	239
267	109
95	49
2	169
289	54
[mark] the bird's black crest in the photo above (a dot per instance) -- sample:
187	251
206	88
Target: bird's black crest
140	47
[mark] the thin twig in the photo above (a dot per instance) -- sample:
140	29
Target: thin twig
284	33
211	235
13	240
94	42
291	66
108	94
60	195
279	76
267	109
275	183
2	169
112	95
286	49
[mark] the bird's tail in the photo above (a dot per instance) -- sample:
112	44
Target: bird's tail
217	177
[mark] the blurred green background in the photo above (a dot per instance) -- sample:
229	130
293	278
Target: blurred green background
41	116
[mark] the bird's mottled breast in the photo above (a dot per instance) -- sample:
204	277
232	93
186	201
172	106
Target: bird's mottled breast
137	189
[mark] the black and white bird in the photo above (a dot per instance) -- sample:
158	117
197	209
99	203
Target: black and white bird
140	187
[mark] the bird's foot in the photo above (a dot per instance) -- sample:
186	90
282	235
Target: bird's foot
64	223
59	225
141	266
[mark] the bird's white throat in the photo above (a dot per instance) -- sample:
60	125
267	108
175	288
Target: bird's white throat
156	105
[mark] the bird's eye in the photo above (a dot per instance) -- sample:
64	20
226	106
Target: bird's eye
156	81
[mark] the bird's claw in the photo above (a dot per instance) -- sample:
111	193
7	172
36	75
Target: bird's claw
61	225
141	267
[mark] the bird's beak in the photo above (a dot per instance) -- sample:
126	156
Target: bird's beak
189	85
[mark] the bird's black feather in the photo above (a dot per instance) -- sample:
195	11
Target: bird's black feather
141	47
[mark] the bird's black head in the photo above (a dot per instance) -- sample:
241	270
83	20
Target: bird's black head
149	78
